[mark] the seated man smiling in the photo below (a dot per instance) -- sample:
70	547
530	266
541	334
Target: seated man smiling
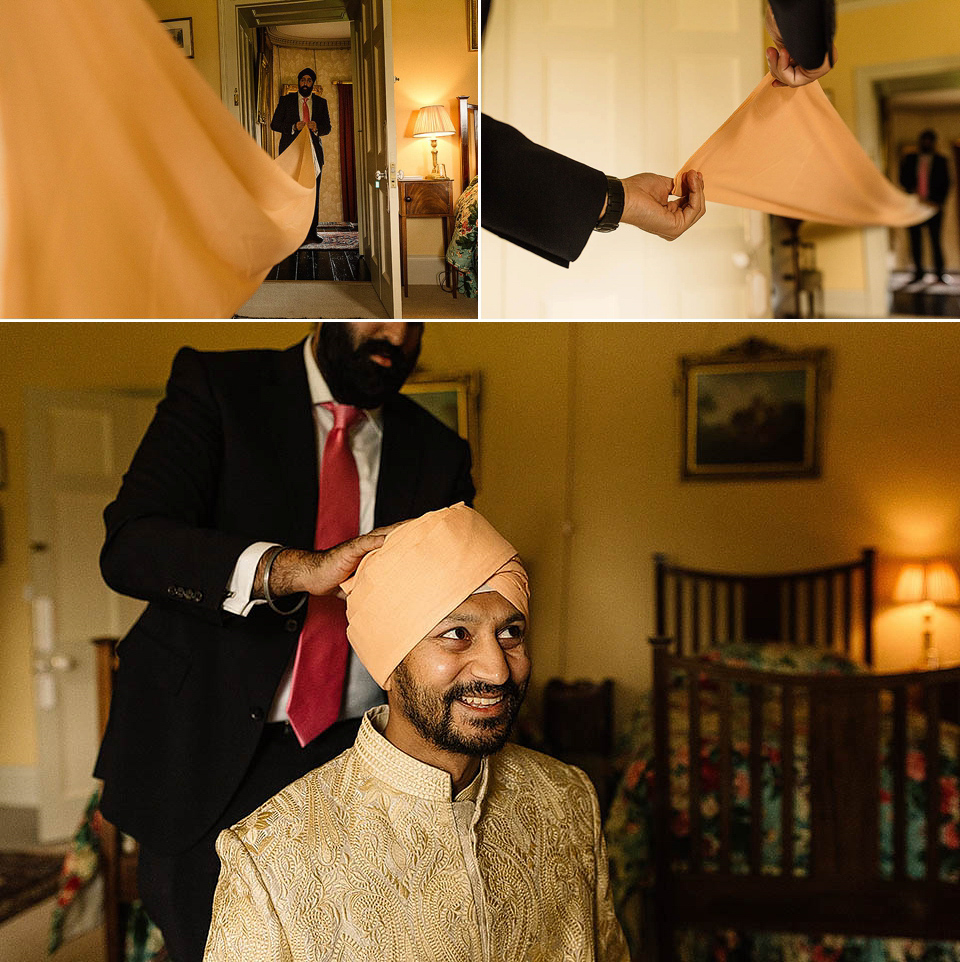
431	838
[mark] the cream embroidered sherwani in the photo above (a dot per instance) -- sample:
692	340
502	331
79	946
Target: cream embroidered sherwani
369	859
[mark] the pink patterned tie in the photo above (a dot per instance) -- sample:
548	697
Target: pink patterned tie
306	112
320	667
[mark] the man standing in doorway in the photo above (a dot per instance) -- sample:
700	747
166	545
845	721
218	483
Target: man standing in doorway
296	111
925	174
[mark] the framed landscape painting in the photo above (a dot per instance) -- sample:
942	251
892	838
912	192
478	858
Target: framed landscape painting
752	411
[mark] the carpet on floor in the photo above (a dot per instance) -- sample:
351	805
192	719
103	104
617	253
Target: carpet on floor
25	880
334	240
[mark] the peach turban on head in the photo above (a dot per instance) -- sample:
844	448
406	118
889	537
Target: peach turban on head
425	569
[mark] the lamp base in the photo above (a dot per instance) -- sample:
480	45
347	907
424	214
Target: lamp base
439	175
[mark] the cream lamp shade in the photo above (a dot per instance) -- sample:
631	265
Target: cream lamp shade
931	583
434	122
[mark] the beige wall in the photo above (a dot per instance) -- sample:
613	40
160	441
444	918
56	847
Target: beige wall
206	33
579	450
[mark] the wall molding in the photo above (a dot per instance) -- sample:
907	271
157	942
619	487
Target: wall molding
307	44
423	269
18	786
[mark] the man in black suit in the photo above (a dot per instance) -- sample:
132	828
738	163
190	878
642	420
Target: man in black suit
926	174
296	111
197	736
551	205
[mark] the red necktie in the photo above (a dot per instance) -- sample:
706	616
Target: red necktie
923	177
306	112
320	667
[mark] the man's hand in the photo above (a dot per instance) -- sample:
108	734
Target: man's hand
313	126
317	572
786	72
647	204
299	125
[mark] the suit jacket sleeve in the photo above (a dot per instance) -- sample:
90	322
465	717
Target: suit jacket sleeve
322	117
807	28
280	123
245	924
537	198
162	544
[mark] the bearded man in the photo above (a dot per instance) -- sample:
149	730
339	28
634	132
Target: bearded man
431	838
258	480
296	111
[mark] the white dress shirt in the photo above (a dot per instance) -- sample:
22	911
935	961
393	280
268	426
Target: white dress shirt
366	440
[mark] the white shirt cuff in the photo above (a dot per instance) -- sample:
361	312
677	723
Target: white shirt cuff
240	586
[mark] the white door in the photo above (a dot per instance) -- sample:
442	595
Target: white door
627	86
79	445
379	206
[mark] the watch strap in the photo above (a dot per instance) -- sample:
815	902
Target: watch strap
614	209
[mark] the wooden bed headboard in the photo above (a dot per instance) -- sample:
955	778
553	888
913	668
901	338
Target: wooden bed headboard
828	607
469	131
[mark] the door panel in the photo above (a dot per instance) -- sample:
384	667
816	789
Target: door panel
627	87
79	445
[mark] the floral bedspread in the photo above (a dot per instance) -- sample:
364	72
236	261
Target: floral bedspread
462	249
629	824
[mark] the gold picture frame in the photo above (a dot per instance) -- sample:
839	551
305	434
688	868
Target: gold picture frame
452	399
752	411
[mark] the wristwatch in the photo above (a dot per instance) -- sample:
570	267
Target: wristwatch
614	211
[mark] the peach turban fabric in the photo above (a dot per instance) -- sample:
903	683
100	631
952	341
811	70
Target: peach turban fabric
127	189
424	570
786	151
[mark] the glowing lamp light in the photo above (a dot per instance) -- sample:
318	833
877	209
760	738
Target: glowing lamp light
930	584
434	122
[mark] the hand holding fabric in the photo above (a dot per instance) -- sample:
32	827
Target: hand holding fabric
786	71
317	572
647	203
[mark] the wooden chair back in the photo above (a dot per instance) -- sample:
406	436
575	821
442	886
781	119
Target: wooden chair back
119	867
578	729
827	607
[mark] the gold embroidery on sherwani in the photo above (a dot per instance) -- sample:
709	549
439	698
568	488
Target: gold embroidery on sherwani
369	859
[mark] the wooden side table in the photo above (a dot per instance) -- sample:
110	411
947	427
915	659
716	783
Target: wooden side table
420	197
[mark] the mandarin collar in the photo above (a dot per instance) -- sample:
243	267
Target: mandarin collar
400	771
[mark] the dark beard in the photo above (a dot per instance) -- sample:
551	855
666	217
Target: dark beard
351	375
306	91
432	714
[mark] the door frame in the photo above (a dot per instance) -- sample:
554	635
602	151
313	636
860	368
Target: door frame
869	133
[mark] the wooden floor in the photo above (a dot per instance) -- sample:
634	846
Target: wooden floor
929	297
312	264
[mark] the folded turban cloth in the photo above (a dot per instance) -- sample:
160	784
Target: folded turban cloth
425	569
786	151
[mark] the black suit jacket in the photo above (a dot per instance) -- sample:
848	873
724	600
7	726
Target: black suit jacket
549	204
938	185
287	116
229	459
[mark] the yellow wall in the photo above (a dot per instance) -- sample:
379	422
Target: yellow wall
431	58
886	33
206	33
579	461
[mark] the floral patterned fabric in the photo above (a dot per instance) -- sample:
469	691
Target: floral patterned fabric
629	825
462	249
81	868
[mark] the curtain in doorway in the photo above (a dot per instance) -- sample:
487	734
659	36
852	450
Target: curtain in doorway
348	165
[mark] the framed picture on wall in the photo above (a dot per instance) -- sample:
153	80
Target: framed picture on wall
454	400
182	32
752	411
472	26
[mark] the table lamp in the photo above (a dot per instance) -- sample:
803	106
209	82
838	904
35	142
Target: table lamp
930	583
434	122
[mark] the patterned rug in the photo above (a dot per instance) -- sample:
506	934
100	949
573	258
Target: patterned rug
334	236
26	879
